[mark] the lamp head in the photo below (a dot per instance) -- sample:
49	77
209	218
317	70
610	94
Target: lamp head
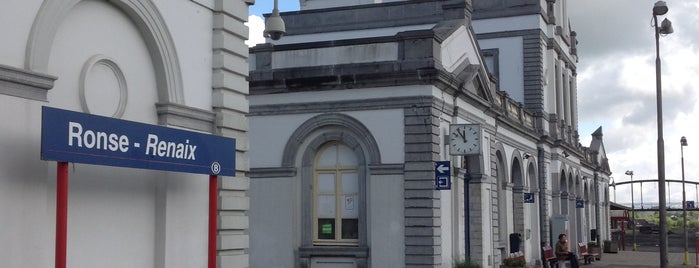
660	8
275	27
666	27
629	172
683	141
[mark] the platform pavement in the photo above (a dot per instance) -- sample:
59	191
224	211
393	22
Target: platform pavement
640	259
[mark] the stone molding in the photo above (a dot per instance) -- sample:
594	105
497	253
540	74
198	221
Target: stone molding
272	172
152	27
324	120
118	74
24	83
184	116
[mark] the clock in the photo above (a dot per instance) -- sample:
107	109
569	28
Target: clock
465	139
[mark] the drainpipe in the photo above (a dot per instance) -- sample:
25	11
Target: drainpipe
467	211
543	231
597	219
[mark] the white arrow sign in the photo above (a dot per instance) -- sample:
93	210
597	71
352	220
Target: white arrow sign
442	168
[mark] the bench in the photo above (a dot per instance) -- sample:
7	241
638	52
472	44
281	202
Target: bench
586	255
550	258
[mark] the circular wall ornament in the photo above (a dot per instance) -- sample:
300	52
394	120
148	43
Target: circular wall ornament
101	84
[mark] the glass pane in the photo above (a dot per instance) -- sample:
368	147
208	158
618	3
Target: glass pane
350	229
326	183
347	157
350	183
328	158
326	206
350	206
490	62
326	228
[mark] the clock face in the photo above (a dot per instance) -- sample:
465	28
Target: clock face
465	139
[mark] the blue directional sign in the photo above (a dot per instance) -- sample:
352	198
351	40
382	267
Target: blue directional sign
68	136
689	204
442	175
579	203
528	197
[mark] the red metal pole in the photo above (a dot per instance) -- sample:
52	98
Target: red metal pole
213	210
61	213
623	235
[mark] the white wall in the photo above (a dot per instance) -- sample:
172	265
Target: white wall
386	221
189	24
504	24
276	202
27	202
117	217
268	152
511	64
316	4
76	41
275	212
16	18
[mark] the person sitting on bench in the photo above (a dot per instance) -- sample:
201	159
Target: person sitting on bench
563	253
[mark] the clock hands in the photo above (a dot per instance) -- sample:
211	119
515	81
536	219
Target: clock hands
462	133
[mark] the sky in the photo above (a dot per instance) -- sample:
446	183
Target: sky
616	88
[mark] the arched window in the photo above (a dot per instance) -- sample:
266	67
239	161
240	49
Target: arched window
336	196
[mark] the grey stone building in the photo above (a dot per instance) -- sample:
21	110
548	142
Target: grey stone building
353	108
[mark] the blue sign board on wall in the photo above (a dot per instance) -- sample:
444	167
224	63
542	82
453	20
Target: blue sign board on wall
528	197
579	203
68	136
442	175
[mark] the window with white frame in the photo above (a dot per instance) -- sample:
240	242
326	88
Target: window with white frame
336	196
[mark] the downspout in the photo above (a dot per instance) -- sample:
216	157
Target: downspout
467	211
597	219
543	231
467	179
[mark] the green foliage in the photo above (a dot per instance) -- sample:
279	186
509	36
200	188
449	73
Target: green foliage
466	264
514	262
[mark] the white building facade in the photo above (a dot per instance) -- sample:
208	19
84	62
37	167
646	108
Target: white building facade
352	108
176	63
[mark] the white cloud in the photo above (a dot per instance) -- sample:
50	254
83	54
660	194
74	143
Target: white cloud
256	24
616	89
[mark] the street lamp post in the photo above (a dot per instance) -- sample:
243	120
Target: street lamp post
614	186
683	143
660	8
633	210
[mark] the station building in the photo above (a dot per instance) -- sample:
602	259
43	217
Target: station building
176	63
354	110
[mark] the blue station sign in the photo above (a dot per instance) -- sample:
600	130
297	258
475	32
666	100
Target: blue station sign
528	197
68	136
442	175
